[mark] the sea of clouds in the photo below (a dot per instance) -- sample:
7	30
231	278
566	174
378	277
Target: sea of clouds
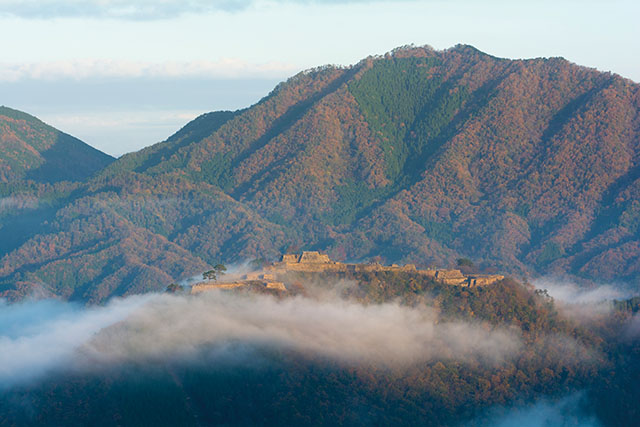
41	337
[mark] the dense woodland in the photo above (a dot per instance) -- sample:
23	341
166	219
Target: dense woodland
276	386
423	156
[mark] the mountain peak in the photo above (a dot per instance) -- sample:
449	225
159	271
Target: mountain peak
17	114
33	150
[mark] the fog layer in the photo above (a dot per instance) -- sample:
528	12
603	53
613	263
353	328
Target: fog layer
41	336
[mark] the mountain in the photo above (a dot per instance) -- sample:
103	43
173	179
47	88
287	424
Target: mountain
297	358
30	149
424	156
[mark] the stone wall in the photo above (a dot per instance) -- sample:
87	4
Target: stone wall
290	258
451	277
315	262
202	287
308	261
279	286
314	257
484	280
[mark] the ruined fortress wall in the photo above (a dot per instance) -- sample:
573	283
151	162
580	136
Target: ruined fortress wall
275	285
290	258
202	287
308	267
484	280
449	274
315	262
367	267
428	273
314	258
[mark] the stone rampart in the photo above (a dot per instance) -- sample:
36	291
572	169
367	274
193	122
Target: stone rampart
315	262
484	279
202	287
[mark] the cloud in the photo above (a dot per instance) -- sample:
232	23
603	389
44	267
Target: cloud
569	410
37	336
341	330
582	303
569	292
119	9
17	202
139	9
100	68
40	337
631	329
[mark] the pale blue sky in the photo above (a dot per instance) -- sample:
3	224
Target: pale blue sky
95	68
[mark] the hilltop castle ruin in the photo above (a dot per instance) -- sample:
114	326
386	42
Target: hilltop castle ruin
315	262
312	261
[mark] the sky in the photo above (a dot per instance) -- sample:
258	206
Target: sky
122	75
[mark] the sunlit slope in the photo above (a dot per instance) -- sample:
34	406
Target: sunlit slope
420	156
426	155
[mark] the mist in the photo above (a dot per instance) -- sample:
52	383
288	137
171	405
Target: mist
565	411
583	303
389	334
40	337
571	293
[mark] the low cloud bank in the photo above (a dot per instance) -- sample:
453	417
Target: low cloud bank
632	329
42	336
38	336
580	302
569	410
571	293
18	202
347	331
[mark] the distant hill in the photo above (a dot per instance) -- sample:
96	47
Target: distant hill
422	156
30	149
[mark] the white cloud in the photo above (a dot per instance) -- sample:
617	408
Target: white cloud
139	9
582	302
120	132
38	337
342	330
123	9
18	201
100	68
571	293
569	410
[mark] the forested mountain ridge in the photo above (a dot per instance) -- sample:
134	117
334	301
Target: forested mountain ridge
422	156
30	149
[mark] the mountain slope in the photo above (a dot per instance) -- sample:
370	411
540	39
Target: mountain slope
433	154
30	149
424	156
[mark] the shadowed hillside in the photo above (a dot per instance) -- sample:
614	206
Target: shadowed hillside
30	149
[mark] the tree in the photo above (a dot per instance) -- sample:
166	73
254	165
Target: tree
173	288
466	266
220	269
464	262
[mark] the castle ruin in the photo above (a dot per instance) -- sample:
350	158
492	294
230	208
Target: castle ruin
315	262
312	261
